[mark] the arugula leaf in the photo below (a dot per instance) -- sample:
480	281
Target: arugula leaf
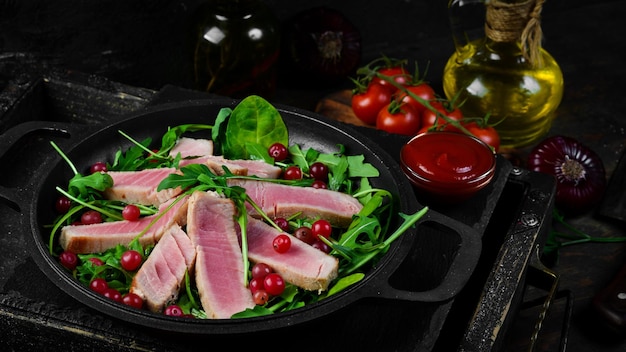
218	133
254	120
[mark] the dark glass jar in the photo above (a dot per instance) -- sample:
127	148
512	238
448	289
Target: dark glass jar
236	44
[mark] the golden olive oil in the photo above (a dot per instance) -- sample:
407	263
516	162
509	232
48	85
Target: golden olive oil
490	74
494	78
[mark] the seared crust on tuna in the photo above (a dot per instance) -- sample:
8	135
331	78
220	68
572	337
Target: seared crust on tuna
302	265
96	238
219	265
278	200
140	186
161	276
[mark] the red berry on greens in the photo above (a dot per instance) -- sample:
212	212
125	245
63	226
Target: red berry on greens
260	297
321	246
96	261
260	270
304	234
131	212
99	285
68	259
322	228
113	294
319	171
282	223
90	217
278	151
256	284
132	300
98	167
274	284
292	173
62	205
319	184
173	311
131	260
282	243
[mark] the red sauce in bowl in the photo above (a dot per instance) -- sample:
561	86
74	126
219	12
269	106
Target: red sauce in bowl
452	165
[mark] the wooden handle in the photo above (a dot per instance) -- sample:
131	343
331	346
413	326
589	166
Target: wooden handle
610	302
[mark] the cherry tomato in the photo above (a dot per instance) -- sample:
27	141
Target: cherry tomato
304	234
90	217
292	173
401	119
487	134
322	228
398	73
430	118
131	260
278	151
62	205
98	167
132	300
319	171
274	284
260	270
131	212
281	243
68	259
99	285
366	105
422	90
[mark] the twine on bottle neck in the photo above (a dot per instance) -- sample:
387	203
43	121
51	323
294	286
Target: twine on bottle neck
509	22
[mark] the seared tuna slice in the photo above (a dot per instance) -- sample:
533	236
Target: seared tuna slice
140	186
242	167
96	238
195	149
278	200
302	265
219	265
161	276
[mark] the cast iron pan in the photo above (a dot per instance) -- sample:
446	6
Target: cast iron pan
35	204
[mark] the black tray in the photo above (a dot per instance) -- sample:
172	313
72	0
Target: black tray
509	214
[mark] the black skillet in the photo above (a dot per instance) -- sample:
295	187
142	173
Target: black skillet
411	270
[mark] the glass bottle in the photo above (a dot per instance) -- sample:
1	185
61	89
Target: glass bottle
499	68
236	44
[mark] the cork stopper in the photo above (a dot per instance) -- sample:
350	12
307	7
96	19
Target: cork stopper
516	21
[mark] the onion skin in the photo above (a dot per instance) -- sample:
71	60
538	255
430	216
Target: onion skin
578	170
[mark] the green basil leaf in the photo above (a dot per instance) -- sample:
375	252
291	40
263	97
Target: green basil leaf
254	120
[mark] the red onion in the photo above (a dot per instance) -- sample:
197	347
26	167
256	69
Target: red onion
579	172
322	44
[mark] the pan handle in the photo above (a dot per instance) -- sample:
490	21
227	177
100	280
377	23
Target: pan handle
458	273
16	197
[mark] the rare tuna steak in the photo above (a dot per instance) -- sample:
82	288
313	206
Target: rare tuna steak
278	200
161	276
192	151
140	186
302	265
97	238
243	167
219	262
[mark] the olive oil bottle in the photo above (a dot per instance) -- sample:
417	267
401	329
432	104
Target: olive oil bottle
502	71
235	48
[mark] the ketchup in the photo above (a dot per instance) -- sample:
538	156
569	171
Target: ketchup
447	157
